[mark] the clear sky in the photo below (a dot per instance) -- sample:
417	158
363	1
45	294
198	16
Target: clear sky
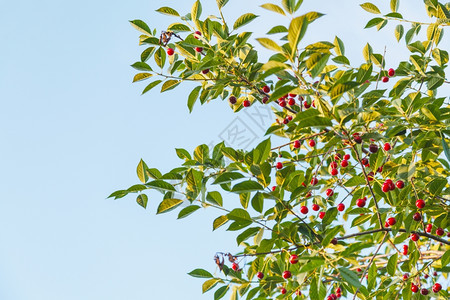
73	128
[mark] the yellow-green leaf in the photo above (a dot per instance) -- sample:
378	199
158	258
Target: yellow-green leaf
168	11
269	44
141	76
168	204
169	84
370	7
274	8
244	20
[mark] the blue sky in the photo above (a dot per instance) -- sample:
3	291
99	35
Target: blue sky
73	129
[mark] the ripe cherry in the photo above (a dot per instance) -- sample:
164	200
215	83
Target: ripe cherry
293	259
334	172
385	187
291	101
365	161
334	241
197	34
400	184
370	176
298	292
279	165
347	156
387	147
405	276
358	270
322	214
266	89
306	104
426	276
312	143
292	95
274	188
341	207
420	204
405	249
337	156
282	103
357	139
440	231
435	273
386	224
414	237
315	207
360	202
205	71
437	287
417	217
329	192
247	103
314	181
304	210
265	99
260	275
373	148
414	288
344	163
199	49
287	274
235	266
424	291
170	51
338	290
391	72
391	221
428	228
283	291
333	165
385	79
232	100
297	144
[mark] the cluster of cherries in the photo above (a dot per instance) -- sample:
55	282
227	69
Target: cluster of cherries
335	295
436	288
391	72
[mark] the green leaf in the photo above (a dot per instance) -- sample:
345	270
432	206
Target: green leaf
399	32
339	46
392	264
372	8
219	222
374	22
196	10
372	277
141	76
214	197
141	66
228	177
264	151
280	92
274	8
209	284
169	85
222	291
446	148
200	273
239	214
244	20
161	185
167	205
247	234
297	29
141	171
394	5
247	186
168	11
330	216
315	122
311	265
269	44
277	29
221	3
141	26
187	211
150	86
445	259
142	200
338	89
331	234
160	57
178	27
289	5
350	277
258	202
193	97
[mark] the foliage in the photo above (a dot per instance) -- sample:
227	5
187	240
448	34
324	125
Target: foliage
355	248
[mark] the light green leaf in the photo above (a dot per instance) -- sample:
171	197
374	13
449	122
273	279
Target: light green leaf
339	46
168	11
372	8
215	198
247	186
178	27
244	20
141	76
297	30
392	264
350	277
200	273
161	185
142	200
394	5
269	44
169	84
141	66
278	29
221	3
209	284
399	32
141	171
196	10
193	97
141	26
187	211
338	89
274	8
150	86
167	205
219	222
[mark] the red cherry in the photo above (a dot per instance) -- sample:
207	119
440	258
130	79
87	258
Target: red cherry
334	172
414	288
338	295
360	202
293	259
308	195
266	89
197	34
247	103
440	231
426	276
391	221
314	181
405	249
298	292
306	104
205	71
344	163
322	214
417	217
297	144
437	287
373	148
333	165
391	72
420	203
414	237
235	266
341	207
304	210
311	143
232	100
386	187
329	192
283	291
282	103
380	169
291	101
424	291
289	117
334	241
387	147
315	207
357	139
370	176
287	274
400	184
260	275
265	99
199	49
285	121
435	273
385	79
358	270
170	51
347	156
386	224
279	165
405	276
337	156
428	228
274	188
338	290
365	161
